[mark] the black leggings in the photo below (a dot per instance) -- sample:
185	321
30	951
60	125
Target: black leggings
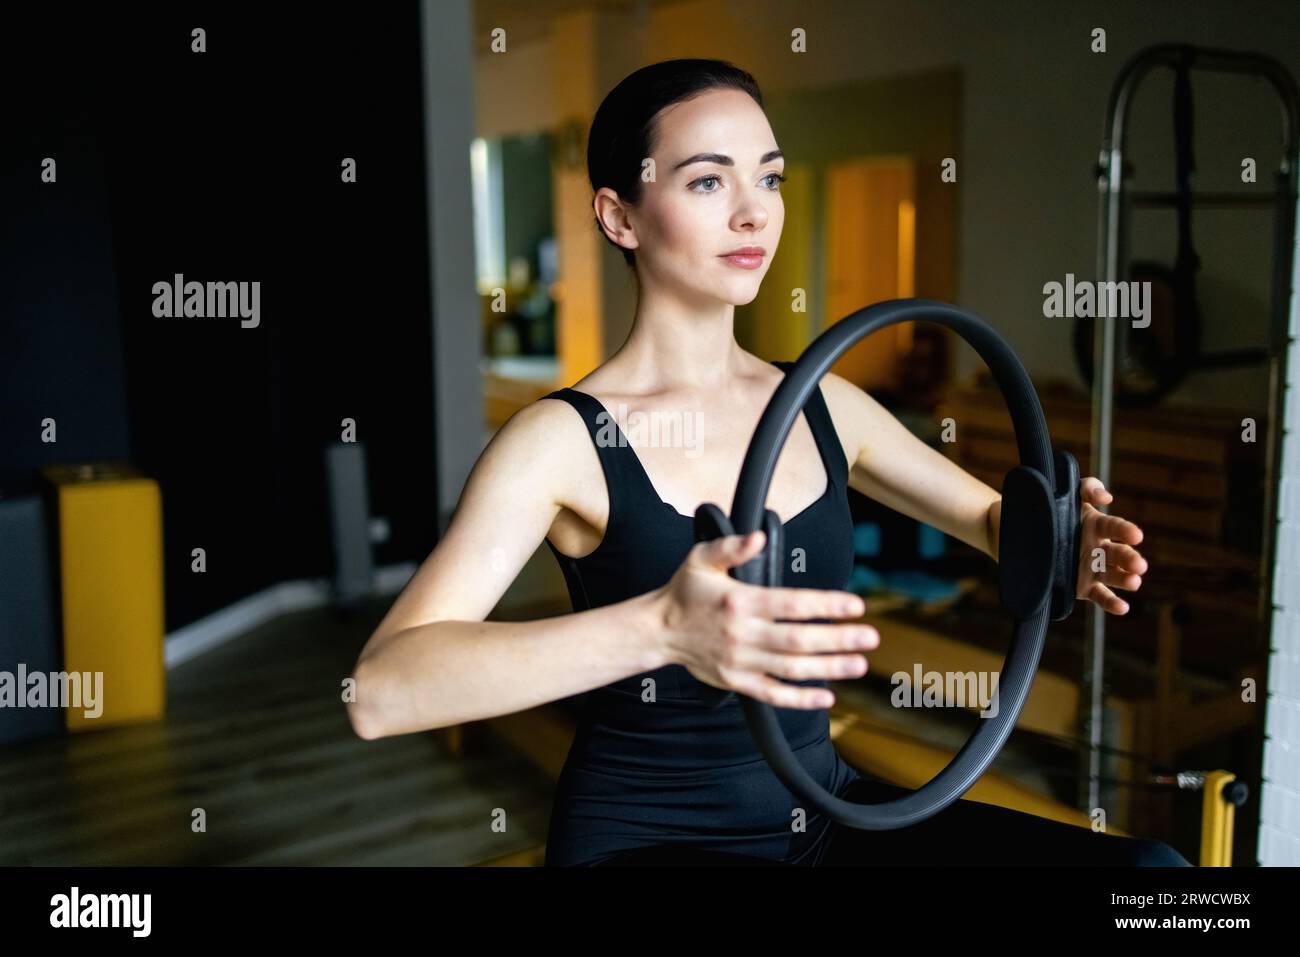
964	833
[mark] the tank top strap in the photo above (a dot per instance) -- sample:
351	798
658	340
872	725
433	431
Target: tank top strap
621	468
823	430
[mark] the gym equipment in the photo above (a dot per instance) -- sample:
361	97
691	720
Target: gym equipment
1159	357
1150	362
1221	795
1153	361
1168	367
108	521
1038	550
354	574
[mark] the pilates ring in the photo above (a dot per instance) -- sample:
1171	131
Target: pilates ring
1038	551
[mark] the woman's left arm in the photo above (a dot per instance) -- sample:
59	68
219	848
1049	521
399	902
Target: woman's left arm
891	465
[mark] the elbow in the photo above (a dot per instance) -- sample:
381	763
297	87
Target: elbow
362	715
362	725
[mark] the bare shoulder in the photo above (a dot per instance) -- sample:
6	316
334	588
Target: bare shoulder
542	426
839	389
541	440
510	500
852	412
561	446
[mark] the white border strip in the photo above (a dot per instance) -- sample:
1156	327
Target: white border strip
230	622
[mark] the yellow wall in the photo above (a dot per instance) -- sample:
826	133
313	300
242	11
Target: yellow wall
770	327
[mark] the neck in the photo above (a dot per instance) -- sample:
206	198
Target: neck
679	345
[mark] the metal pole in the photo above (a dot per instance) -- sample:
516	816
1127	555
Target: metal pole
1112	255
1103	390
1284	266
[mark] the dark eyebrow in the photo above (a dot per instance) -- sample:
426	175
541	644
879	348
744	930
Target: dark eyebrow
723	160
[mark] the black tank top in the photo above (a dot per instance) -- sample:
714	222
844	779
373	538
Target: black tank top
655	763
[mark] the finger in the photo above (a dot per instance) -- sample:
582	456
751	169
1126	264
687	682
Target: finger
801	667
1117	529
1120	578
803	603
762	688
811	639
1124	557
1117	559
1107	599
731	550
1093	491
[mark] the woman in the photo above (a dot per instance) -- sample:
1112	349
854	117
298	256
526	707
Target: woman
686	176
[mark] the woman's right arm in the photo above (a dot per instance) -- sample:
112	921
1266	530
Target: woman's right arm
434	661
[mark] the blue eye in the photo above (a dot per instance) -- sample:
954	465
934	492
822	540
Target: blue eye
713	177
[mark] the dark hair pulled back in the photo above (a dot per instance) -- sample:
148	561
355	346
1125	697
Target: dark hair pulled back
623	131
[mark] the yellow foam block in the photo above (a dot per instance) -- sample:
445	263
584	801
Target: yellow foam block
109	521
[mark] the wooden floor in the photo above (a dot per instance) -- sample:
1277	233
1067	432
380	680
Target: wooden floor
257	736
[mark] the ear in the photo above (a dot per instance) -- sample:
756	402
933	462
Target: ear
613	217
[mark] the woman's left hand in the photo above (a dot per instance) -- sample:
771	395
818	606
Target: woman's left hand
1116	536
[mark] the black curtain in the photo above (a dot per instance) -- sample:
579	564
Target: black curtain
222	166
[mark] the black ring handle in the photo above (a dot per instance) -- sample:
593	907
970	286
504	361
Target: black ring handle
1038	551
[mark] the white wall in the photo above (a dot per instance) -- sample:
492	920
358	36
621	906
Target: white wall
1279	826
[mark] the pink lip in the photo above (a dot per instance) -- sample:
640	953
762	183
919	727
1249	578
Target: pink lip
746	257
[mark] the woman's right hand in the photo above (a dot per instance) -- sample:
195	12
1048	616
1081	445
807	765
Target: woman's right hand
726	633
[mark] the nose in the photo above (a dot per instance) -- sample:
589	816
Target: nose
750	214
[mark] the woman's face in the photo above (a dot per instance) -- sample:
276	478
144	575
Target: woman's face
716	191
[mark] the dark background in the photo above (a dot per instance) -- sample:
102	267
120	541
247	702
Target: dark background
223	166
